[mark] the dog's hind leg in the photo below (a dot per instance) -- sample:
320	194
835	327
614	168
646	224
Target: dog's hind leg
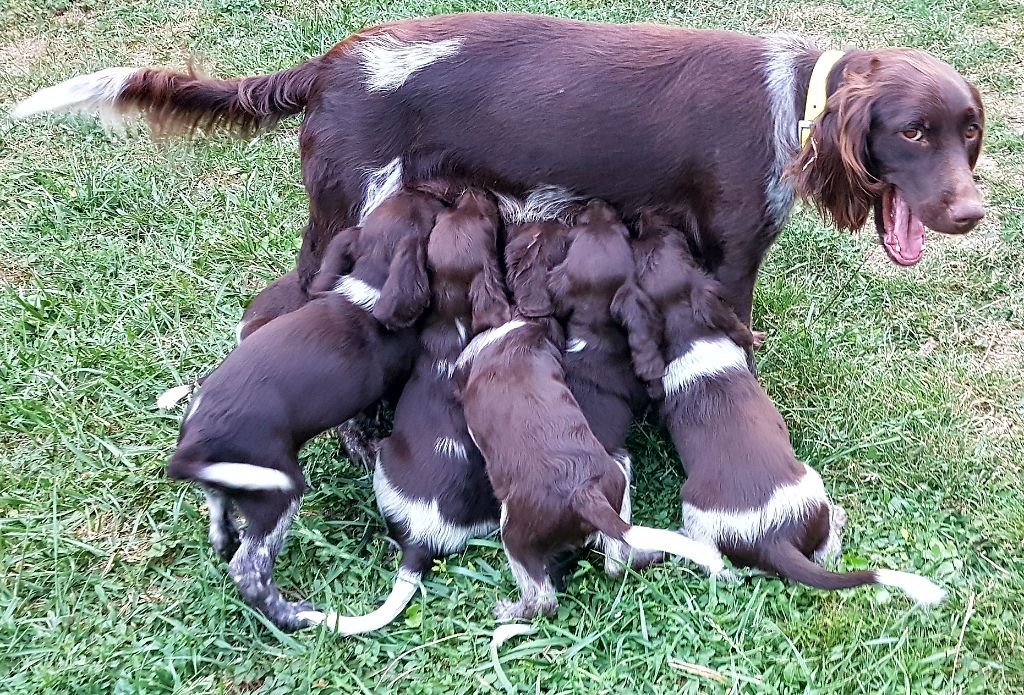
617	553
537	592
223	531
270	516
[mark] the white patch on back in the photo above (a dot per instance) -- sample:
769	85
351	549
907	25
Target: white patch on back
96	92
787	503
576	345
422	519
705	358
542	204
245	476
781	51
358	292
486	338
381	184
450	447
388	61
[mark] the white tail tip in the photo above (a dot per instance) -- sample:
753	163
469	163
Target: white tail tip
923	590
95	92
405	588
172	396
646	538
245	476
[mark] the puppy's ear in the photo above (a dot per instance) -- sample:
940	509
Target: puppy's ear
644	326
406	292
558	290
339	257
832	168
714	312
527	278
488	300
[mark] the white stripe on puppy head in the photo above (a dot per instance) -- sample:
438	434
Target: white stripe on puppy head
96	92
705	358
245	476
484	339
388	61
358	292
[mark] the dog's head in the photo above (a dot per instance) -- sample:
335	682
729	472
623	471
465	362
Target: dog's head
463	258
396	233
900	134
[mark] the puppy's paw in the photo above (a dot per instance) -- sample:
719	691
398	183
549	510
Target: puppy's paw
727	576
759	338
507	610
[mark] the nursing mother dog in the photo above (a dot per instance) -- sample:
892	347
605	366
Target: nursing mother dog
730	126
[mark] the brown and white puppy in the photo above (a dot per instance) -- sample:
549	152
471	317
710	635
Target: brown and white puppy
430	479
746	493
297	376
602	312
556	483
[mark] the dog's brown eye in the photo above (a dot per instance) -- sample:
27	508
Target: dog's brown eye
972	131
914	134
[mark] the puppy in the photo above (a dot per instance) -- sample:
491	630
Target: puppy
556	483
602	311
745	494
300	374
430	480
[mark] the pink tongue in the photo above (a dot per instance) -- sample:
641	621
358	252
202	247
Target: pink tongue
907	228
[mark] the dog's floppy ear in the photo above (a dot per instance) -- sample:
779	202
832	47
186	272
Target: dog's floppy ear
527	278
639	315
832	168
487	298
406	292
339	257
558	290
714	312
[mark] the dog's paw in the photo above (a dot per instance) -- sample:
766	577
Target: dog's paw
727	576
506	610
759	338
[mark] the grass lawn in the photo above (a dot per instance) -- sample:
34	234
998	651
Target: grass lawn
124	267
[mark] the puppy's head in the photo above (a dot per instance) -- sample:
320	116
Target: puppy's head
463	258
396	233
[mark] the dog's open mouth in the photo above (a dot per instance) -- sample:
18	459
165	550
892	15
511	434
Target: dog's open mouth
901	231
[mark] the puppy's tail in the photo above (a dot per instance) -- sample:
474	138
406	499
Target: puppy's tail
180	103
415	563
591	504
790	563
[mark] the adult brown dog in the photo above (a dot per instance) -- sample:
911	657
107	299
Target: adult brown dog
545	110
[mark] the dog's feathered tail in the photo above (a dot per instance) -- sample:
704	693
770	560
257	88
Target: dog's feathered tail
591	504
416	561
180	103
790	563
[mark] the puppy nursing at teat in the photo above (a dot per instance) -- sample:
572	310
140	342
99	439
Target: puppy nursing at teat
556	483
746	493
298	375
430	481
